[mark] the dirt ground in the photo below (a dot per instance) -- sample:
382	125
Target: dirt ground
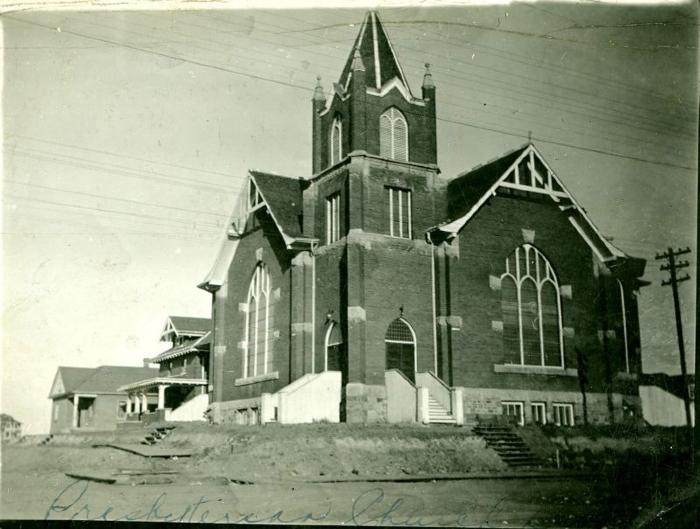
282	466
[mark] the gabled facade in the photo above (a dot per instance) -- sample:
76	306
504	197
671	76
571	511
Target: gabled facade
377	289
90	399
10	428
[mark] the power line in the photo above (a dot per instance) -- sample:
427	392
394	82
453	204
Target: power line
308	89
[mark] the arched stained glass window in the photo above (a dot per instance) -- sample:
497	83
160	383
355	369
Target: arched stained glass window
258	355
336	141
400	341
531	309
393	135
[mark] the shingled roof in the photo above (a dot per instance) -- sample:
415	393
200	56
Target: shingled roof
198	344
102	379
284	197
185	326
465	190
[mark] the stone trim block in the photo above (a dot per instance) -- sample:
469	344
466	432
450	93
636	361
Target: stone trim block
568	332
535	370
300	327
259	254
565	291
494	282
243	307
455	322
356	313
497	325
528	235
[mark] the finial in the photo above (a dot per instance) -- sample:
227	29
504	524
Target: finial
318	91
428	77
357	64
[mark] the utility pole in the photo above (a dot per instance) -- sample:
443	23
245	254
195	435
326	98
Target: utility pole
672	266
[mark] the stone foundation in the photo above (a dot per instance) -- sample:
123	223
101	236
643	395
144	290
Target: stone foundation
365	403
487	401
243	411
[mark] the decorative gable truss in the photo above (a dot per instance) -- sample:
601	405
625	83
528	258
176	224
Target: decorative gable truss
530	173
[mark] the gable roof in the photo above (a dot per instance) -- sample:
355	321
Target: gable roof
475	187
284	197
465	190
102	379
69	378
378	55
185	326
8	419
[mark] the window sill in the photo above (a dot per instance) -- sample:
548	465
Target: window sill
254	380
534	370
622	375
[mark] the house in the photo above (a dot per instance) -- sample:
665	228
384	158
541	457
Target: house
182	377
10	428
379	289
662	399
86	398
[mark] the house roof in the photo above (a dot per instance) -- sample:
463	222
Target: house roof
197	344
102	379
377	53
284	197
186	326
5	418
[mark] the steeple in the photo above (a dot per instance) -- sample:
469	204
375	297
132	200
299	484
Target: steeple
371	108
377	55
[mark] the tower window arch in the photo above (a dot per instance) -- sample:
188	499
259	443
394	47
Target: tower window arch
336	144
531	308
258	354
393	135
400	342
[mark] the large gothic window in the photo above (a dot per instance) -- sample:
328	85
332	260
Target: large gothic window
400	344
531	309
336	141
393	135
258	354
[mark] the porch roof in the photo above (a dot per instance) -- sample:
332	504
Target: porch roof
198	344
167	381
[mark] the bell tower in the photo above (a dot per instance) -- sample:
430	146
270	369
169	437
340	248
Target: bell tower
372	108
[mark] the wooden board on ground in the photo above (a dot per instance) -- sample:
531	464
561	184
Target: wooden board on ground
149	451
121	479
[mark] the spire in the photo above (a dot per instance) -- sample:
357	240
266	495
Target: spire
376	53
318	91
357	64
428	77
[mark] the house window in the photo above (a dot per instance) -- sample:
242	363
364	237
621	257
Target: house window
393	135
400	221
539	412
400	342
55	411
336	141
531	310
514	409
258	357
333	218
563	414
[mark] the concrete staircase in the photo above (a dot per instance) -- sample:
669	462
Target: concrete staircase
157	435
437	414
508	445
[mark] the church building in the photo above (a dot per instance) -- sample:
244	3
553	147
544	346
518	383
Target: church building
378	289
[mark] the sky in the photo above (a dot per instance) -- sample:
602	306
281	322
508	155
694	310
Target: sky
127	135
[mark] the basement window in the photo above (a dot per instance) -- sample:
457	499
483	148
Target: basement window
514	409
539	412
563	414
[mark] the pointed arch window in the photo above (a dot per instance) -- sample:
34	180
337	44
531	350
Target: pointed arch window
336	141
335	349
400	342
531	308
393	135
258	354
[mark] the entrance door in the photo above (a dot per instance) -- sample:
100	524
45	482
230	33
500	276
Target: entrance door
400	344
